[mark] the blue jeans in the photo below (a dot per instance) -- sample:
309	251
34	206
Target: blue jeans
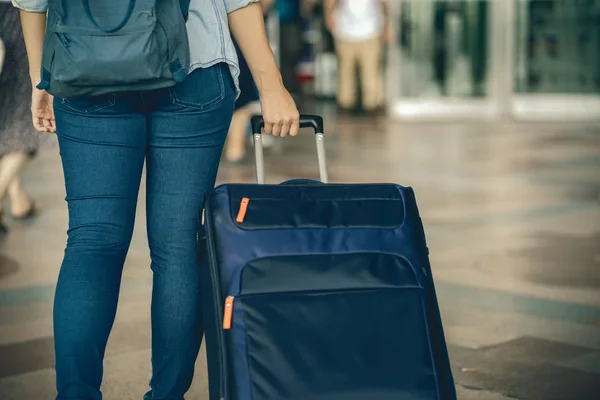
104	141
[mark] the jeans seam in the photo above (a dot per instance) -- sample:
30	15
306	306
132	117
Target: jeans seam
99	107
102	246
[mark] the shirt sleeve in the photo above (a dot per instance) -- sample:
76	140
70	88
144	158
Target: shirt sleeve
31	5
233	5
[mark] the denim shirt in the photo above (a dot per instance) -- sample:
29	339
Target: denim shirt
208	31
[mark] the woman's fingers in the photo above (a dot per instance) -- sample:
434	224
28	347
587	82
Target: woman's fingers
295	126
38	124
276	128
268	127
47	124
285	127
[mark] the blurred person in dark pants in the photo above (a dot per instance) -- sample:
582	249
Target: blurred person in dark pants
18	140
359	28
440	56
290	42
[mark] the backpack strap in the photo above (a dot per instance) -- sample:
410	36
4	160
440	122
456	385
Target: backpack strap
88	12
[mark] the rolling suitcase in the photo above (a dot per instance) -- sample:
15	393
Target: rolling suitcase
317	291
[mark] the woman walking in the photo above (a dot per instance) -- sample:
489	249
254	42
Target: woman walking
104	141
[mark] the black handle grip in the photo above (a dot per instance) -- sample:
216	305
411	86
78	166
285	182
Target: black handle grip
306	121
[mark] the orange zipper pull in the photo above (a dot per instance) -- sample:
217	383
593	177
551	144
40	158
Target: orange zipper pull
228	313
243	208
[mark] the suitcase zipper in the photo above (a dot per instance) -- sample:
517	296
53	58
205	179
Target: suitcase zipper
243	209
228	312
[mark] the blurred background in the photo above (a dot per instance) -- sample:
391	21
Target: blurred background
530	60
490	109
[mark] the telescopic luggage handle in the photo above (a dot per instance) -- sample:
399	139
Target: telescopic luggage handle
306	121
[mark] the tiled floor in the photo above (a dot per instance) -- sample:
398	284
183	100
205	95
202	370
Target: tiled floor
512	214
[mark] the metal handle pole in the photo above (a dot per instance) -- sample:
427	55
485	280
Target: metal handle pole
322	160
260	159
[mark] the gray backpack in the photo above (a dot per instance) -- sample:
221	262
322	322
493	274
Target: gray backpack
100	47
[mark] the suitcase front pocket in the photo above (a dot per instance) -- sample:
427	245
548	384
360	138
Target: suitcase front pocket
343	336
261	213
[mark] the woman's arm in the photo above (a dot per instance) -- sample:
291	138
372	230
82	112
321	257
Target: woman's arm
278	108
34	31
249	31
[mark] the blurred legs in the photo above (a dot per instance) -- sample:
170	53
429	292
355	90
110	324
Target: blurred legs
347	73
369	59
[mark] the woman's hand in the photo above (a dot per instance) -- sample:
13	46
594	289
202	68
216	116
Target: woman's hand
42	111
279	112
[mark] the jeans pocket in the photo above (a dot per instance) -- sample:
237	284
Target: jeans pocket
89	104
203	87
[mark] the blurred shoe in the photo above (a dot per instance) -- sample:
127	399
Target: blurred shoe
235	155
32	211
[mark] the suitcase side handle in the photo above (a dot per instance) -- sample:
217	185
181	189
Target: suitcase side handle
306	121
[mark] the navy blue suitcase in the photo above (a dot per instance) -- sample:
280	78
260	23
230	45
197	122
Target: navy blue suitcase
318	291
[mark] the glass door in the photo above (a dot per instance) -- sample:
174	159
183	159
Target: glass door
557	59
445	59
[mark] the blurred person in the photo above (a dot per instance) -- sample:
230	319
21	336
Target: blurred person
179	132
359	28
235	147
290	40
440	49
18	140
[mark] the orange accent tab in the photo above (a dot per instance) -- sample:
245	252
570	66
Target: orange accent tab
228	313
243	208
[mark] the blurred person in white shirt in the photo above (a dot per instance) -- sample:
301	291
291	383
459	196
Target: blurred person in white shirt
359	28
